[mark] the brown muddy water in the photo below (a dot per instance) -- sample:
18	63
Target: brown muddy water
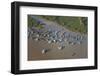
69	52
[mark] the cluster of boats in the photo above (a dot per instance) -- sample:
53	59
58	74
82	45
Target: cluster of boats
56	37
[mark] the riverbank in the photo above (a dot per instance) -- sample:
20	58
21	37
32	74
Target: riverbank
59	42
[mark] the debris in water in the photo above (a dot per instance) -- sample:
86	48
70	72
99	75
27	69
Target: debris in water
44	51
36	39
73	54
49	41
60	47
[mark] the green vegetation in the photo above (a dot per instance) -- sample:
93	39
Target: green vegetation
33	22
77	24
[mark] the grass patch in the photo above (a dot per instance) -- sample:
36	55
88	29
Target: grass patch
76	24
33	22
